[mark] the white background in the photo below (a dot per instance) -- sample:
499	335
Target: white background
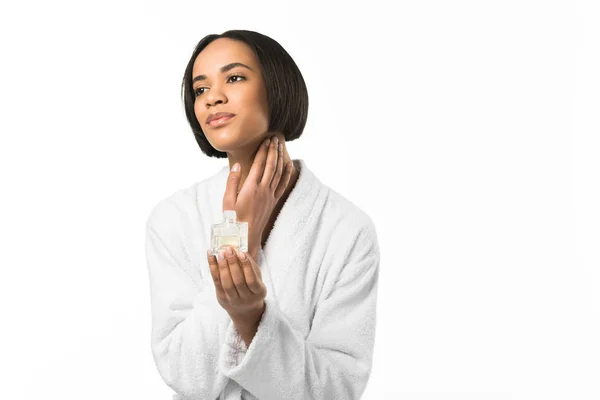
467	130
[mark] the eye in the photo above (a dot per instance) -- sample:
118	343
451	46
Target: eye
198	92
237	76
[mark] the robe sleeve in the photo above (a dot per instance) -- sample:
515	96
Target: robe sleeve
335	360
185	337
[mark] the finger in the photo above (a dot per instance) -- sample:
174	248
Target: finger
271	163
285	179
231	188
225	275
214	272
237	275
278	169
253	278
258	166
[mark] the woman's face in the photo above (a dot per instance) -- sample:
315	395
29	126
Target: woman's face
220	86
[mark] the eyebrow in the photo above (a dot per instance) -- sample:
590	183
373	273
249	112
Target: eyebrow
224	68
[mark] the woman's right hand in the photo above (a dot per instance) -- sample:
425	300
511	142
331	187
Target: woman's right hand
264	186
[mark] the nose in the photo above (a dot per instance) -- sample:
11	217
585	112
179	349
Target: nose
215	96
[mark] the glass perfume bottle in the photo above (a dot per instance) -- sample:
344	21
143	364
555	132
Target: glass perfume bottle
229	233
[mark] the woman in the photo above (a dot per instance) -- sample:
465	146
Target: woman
295	316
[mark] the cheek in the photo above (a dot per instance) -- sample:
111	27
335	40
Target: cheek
254	121
199	116
254	109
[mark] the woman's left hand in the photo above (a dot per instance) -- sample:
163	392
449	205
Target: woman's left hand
240	288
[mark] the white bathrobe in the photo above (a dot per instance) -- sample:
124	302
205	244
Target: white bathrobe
316	337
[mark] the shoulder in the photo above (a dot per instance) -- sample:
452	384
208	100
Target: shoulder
348	217
349	245
180	206
346	229
339	212
168	207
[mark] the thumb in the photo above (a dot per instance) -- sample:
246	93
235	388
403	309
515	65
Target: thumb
231	188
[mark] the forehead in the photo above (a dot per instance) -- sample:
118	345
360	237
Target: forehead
221	52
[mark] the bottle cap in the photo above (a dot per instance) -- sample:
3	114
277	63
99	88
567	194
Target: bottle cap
229	215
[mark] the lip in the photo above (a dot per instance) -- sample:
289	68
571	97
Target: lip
216	122
212	117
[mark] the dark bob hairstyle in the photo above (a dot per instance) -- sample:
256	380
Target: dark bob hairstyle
286	89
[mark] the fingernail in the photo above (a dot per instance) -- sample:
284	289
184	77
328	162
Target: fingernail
268	141
236	167
242	256
229	252
209	253
220	255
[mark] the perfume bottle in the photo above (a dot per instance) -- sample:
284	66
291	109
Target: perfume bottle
229	233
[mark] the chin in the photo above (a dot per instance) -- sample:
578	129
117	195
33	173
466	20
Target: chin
223	140
233	138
